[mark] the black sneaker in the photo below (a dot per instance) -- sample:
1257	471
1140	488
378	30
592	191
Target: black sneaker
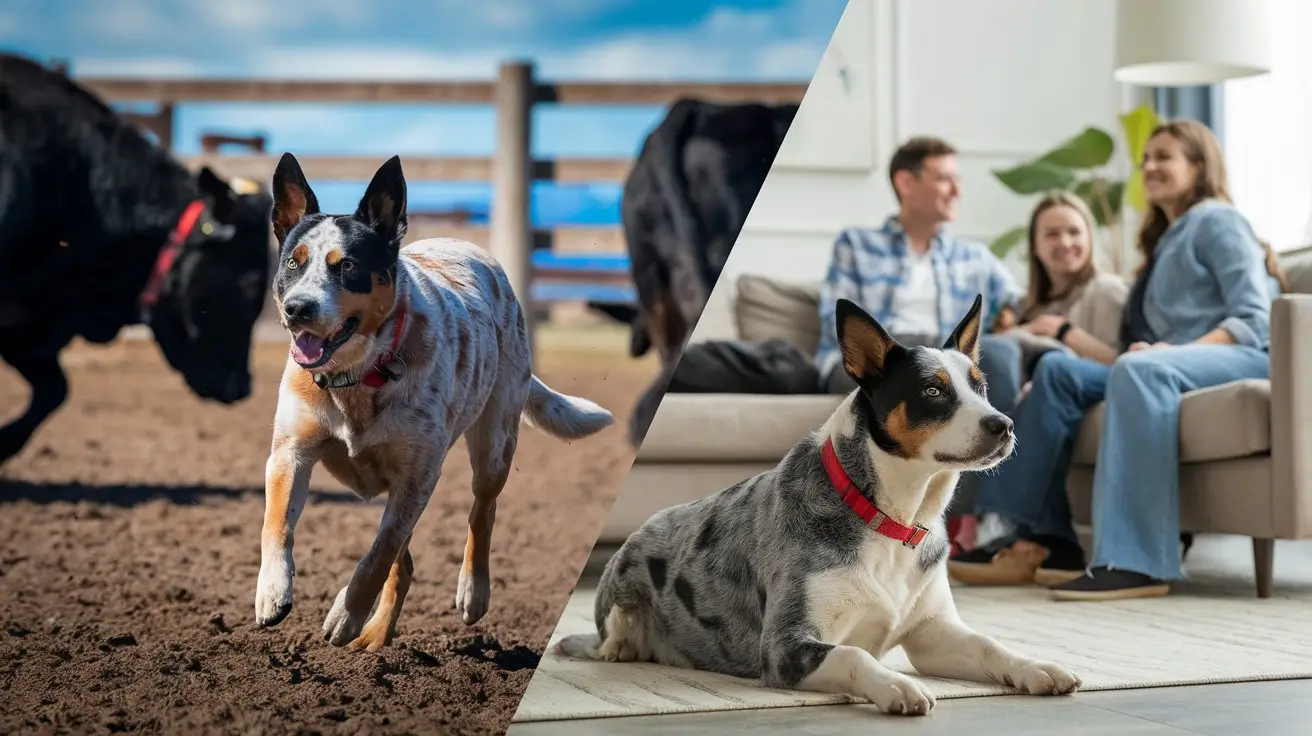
1107	584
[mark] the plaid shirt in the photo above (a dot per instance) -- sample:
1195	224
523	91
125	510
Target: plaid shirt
868	264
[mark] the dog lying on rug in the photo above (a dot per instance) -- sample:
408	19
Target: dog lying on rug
805	575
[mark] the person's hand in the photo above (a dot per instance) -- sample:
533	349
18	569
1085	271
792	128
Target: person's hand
1044	325
1005	321
1137	346
1024	391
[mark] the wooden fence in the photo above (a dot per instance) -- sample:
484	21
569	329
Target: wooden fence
511	169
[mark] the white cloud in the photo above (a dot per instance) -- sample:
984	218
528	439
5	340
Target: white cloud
728	43
140	21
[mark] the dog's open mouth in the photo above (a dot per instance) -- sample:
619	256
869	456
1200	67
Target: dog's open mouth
311	351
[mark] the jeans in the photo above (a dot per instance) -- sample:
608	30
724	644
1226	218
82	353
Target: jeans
1136	482
999	360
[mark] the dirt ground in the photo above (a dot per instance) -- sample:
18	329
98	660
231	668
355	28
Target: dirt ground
129	549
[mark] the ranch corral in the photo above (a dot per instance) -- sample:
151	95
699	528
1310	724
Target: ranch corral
130	546
130	523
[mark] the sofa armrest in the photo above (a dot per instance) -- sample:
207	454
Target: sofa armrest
1291	415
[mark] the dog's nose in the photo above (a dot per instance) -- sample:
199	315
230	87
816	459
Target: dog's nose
300	310
996	425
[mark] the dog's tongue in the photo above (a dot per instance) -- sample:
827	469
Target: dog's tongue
307	348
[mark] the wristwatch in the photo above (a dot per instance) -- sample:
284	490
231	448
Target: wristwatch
1061	331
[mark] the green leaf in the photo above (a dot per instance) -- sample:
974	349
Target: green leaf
1036	177
1003	244
1138	126
1103	197
1134	194
1090	149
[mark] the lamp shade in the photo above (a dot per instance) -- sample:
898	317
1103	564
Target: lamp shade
1177	43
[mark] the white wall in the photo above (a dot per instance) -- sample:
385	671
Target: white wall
1268	133
1002	80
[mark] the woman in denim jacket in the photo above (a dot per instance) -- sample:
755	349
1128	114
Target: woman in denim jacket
1198	315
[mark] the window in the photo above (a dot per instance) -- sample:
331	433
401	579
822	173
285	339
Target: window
1268	134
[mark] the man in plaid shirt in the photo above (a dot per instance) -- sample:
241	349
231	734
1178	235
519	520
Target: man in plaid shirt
919	280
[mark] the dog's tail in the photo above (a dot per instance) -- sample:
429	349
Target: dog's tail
579	646
563	417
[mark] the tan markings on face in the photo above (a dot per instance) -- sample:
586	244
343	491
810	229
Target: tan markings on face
372	308
943	375
909	438
974	373
300	254
334	257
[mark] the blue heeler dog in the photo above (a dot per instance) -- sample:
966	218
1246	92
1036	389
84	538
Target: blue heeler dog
805	575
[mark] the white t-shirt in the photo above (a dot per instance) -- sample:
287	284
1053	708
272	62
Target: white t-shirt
915	303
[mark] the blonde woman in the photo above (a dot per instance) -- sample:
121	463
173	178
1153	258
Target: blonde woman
1070	304
1198	315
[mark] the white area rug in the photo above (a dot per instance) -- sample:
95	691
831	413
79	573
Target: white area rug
1213	629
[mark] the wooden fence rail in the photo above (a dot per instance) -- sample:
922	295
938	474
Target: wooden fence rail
511	169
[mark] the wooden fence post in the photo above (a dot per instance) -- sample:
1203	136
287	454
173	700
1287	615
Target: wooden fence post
512	178
165	130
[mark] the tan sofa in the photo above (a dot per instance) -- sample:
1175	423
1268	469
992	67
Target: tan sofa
1246	446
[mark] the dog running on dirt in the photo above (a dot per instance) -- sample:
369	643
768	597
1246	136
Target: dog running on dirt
396	352
805	575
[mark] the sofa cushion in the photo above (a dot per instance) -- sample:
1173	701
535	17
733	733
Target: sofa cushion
768	308
1218	423
732	427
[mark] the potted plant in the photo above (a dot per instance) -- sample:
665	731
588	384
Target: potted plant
1078	165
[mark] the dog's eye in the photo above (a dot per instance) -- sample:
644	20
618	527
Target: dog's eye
931	391
347	266
292	265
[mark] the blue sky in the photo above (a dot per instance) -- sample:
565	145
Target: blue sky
647	40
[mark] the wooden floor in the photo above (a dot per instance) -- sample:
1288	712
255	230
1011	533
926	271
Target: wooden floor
1237	709
1242	709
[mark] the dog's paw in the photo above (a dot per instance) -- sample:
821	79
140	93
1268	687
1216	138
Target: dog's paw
273	591
901	695
1041	678
340	627
473	593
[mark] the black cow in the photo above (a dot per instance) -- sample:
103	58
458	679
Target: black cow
100	228
683	205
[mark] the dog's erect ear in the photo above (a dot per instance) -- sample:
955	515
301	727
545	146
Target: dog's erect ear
383	206
965	338
865	344
293	199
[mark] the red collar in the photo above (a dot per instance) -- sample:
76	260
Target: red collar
911	536
380	373
164	261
